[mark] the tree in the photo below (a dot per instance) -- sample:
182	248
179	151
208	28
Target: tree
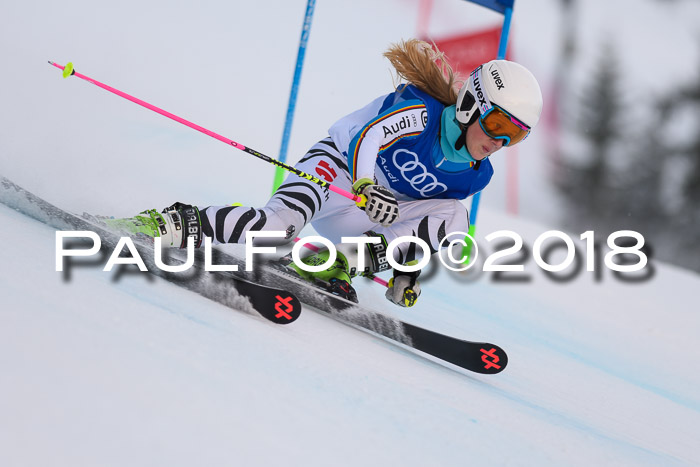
685	220
588	184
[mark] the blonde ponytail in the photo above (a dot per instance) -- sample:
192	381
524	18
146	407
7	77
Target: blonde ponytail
424	66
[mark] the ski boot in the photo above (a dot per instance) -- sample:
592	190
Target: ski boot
174	225
336	278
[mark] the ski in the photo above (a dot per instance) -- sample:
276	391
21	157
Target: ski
478	357
276	293
271	302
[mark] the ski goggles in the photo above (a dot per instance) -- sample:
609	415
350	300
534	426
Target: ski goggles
496	122
499	124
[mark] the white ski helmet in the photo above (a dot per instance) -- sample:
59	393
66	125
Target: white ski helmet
506	84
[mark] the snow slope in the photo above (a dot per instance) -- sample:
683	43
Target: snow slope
105	369
109	369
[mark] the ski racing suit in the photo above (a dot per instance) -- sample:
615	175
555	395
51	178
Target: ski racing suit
396	141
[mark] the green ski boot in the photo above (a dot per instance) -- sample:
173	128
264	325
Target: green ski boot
335	278
145	223
174	225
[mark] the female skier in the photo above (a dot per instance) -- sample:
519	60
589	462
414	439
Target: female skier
413	154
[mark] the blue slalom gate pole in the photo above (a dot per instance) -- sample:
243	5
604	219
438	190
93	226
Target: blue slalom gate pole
506	8
305	31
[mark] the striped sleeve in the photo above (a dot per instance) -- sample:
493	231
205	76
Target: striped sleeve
405	120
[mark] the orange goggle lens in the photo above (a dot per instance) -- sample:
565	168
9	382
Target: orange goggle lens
499	124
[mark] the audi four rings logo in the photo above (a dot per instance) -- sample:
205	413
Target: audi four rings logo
416	174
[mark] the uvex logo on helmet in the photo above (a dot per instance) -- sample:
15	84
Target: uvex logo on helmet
479	93
497	79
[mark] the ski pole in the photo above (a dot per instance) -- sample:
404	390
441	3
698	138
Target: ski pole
69	71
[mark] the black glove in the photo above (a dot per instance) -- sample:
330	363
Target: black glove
404	288
379	203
